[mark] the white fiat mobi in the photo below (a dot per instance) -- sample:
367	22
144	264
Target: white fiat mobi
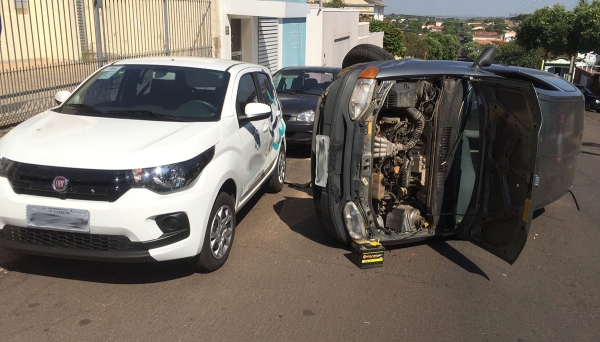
147	160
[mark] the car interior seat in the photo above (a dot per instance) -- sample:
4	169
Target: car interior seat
310	83
297	83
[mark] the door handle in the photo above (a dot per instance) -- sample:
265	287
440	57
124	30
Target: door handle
265	127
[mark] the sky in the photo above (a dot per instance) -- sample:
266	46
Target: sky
470	8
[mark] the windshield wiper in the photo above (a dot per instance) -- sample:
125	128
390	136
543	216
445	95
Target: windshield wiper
147	113
84	107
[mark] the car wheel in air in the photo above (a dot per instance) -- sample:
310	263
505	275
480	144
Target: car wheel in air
275	184
218	238
363	53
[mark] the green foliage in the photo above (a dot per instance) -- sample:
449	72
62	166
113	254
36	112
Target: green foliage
416	47
392	36
466	34
472	50
413	26
451	27
449	43
434	48
549	28
586	28
512	53
334	4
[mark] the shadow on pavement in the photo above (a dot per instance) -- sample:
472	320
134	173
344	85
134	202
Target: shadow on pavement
298	151
450	253
299	215
100	272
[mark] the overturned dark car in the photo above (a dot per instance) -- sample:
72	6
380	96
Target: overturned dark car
405	150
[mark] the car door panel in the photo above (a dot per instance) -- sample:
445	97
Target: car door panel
500	213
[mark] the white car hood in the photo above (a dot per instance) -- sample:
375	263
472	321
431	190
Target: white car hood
88	142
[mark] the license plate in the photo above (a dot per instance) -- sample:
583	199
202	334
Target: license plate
76	220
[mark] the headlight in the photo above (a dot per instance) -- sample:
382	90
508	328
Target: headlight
5	166
363	92
308	116
597	101
170	177
354	221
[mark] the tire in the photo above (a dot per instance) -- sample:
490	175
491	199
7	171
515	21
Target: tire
587	106
275	183
218	238
363	53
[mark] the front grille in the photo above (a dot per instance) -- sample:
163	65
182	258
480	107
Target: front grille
69	240
84	184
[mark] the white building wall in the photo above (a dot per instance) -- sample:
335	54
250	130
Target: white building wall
324	28
314	38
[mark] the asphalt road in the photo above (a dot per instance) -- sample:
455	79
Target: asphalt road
287	281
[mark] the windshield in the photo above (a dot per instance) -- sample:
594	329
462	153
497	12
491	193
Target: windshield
151	92
314	82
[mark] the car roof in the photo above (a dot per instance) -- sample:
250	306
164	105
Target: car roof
542	80
194	62
312	68
418	67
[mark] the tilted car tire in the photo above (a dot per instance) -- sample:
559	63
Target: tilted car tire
218	238
275	183
363	53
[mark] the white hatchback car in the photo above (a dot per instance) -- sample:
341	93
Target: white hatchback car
148	159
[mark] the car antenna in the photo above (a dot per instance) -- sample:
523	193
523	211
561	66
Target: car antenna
486	58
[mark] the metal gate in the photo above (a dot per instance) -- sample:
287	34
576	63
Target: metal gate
52	45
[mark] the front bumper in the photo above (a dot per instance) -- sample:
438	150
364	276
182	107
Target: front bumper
297	132
124	230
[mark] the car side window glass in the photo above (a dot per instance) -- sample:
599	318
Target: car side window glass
246	93
266	89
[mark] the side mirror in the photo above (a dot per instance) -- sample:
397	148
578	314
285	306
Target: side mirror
255	111
486	58
61	96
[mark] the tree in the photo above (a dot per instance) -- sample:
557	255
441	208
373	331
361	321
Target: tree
434	48
450	27
558	30
413	26
549	28
449	43
472	50
334	4
392	36
512	53
586	28
416	46
466	34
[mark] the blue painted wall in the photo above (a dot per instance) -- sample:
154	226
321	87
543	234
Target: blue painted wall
293	41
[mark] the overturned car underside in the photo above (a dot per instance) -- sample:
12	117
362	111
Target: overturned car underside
402	155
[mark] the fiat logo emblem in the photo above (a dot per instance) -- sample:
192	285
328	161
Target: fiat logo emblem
60	183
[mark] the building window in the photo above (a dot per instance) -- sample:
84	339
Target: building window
22	6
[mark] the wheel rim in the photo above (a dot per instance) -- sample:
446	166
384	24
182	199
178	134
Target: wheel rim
221	231
281	167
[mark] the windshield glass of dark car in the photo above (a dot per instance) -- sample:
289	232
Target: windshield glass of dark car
314	82
151	92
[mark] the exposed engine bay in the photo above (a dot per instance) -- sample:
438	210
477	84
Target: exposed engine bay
400	159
